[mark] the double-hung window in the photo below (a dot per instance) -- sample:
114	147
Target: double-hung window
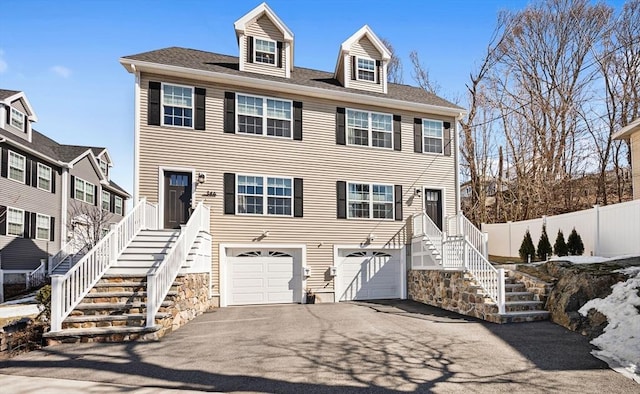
254	198
265	51
370	201
104	168
17	167
15	222
365	69
117	202
263	115
84	191
106	200
177	104
43	223
44	177
432	136
369	129
16	119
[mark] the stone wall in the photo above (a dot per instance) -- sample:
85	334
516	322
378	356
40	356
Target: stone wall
451	290
192	300
539	288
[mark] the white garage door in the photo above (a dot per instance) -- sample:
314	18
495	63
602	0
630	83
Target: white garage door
369	275
263	277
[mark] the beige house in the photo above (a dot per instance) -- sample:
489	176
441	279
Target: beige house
631	133
311	176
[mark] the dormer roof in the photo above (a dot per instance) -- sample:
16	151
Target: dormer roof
365	31
253	15
9	96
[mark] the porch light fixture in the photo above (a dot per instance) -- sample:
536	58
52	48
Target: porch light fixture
371	237
202	177
417	192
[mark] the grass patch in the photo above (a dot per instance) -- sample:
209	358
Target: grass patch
504	260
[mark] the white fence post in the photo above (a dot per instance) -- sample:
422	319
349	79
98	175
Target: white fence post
485	241
596	230
501	290
56	302
1	285
510	248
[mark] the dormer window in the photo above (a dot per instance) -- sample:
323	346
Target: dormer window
265	51
104	167
366	69
17	119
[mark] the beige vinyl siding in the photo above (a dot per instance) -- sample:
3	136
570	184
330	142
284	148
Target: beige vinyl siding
635	164
21	253
317	159
264	28
365	48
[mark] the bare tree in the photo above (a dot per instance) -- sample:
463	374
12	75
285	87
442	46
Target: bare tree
420	74
394	68
88	223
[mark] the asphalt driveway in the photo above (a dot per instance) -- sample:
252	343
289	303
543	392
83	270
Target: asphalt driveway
347	347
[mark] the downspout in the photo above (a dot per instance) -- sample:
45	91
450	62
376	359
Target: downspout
456	139
136	142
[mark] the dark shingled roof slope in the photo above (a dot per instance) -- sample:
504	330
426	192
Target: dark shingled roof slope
207	61
4	93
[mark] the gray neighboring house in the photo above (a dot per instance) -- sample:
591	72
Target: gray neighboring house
45	187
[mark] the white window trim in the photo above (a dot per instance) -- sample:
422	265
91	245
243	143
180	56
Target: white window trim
264	116
22	114
48	226
21	235
24	169
50	176
84	191
275	51
441	138
108	200
193	105
371	184
106	165
375	70
115	205
370	128
265	196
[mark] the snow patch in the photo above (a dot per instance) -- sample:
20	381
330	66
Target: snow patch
619	344
589	259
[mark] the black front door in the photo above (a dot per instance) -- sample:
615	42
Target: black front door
433	205
177	198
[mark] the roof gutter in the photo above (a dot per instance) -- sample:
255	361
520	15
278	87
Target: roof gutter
36	153
212	76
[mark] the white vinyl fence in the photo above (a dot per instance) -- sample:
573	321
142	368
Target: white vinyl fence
608	231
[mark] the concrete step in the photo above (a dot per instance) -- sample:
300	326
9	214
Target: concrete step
518	306
120	297
514	287
524	316
103	334
97	321
519	296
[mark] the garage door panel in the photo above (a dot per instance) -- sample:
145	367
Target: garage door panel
370	275
247	283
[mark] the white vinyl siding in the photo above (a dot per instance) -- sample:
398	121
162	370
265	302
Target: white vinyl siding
177	105
44	177
17	165
106	200
370	201
252	197
84	191
369	129
15	222
263	115
117	202
17	119
432	136
43	224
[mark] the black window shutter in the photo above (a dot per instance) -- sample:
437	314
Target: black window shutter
249	49
53	181
3	220
398	196
8	108
5	162
279	52
417	135
229	112
353	67
340	127
199	123
379	72
297	198
27	225
397	132
52	229
341	197
28	171
73	186
34	216
34	173
26	123
95	195
229	193
112	203
297	120
446	140
153	110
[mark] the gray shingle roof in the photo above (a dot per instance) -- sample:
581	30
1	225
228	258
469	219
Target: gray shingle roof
207	61
4	93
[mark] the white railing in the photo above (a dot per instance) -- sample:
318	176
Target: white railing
69	289
151	216
460	253
58	258
37	276
160	280
458	224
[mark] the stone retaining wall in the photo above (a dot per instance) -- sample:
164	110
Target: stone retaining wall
452	291
539	288
192	300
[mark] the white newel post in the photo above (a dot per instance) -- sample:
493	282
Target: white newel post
151	303
485	241
501	290
465	250
113	244
56	302
1	285
596	229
